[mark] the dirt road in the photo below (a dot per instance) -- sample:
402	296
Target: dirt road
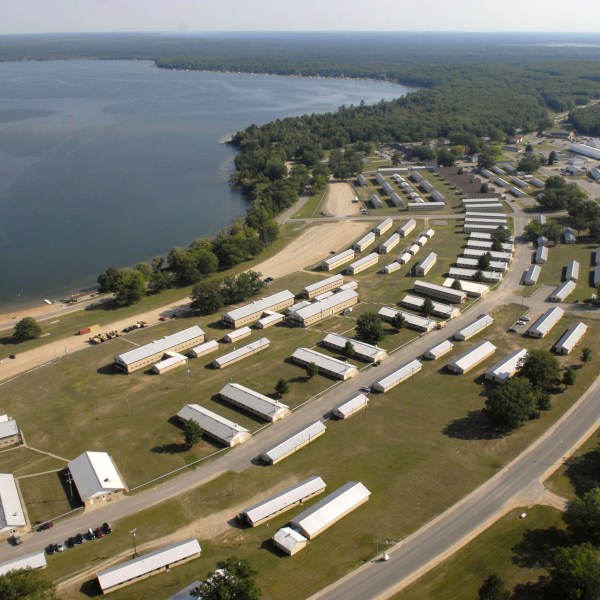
338	201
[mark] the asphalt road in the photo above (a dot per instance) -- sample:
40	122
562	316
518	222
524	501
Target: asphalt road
427	547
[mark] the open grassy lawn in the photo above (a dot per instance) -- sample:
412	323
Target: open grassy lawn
512	548
430	448
580	473
23	461
312	206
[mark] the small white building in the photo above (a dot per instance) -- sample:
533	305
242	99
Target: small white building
204	349
241	353
470	359
413	249
561	293
270	319
571	338
477	326
217	427
254	402
290	541
351	407
411	320
9	432
271	507
330	509
329	264
502	371
407	228
572	271
404	258
12	511
426	265
365	242
96	478
326	364
362	350
172	361
294	443
542	326
469	274
532	275
569	235
505	257
324	285
383	227
392	268
439	350
541	255
440	292
389	244
363	263
147	565
236	335
398	376
444	311
471	288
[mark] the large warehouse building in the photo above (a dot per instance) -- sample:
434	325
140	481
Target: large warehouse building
151	353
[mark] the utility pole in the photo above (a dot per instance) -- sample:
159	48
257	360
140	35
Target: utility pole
132	532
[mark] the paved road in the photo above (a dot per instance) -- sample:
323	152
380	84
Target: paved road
427	547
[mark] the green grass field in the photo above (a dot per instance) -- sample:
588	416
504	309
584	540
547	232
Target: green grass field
420	447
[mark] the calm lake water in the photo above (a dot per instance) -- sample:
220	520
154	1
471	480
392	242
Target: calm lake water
113	162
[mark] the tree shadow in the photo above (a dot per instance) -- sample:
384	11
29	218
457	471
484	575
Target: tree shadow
169	449
584	471
537	547
532	590
475	426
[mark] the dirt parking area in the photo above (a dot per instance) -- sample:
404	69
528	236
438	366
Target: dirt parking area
338	201
310	247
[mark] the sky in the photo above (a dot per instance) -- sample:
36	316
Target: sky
57	16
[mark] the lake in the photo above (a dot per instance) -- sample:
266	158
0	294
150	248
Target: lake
109	163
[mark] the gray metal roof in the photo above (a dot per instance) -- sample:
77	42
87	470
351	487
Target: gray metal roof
284	500
507	367
331	508
297	440
324	282
327	363
546	322
441	349
142	565
351	406
361	349
411	319
346	254
259	305
331	302
252	400
243	351
162	345
32	561
571	337
8	428
95	473
475	327
11	511
563	290
414	366
472	357
365	260
215	425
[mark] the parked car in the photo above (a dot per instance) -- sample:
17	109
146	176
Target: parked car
98	532
525	319
46	525
70	542
51	549
79	539
59	547
366	389
106	528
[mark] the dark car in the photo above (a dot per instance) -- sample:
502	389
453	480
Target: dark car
45	526
90	535
106	528
79	539
99	532
13	356
70	542
51	549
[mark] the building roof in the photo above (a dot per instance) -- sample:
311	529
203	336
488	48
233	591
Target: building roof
12	514
33	561
532	273
408	226
427	261
385	224
185	593
346	254
563	290
323	282
476	326
314	308
327	363
572	271
162	345
243	351
298	439
95	473
400	374
364	260
426	285
571	337
289	539
8	427
441	349
284	500
469	287
369	238
142	565
411	319
547	321
328	510
238	333
361	349
213	424
507	367
206	347
350	406
253	400
259	305
472	357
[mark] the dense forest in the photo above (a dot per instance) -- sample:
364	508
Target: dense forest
586	120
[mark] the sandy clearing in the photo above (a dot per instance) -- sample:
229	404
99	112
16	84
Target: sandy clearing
310	247
338	201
